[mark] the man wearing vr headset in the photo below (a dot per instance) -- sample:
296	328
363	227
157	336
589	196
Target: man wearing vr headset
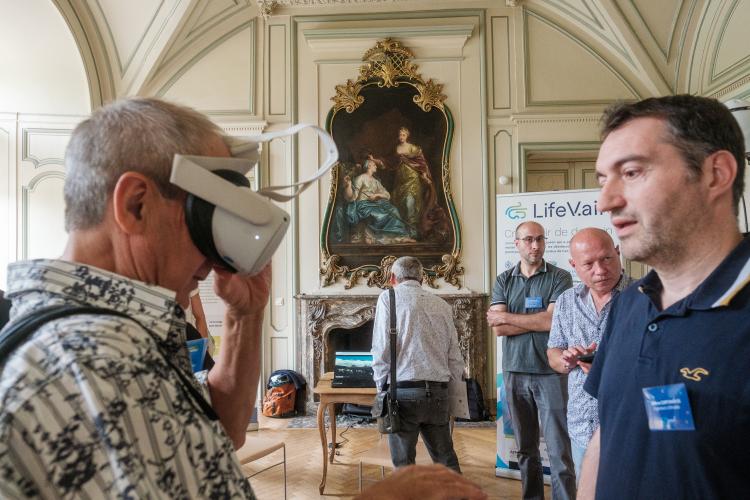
94	404
104	404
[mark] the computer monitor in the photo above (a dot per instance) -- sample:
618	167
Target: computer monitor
352	369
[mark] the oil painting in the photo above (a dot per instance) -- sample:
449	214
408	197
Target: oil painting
390	194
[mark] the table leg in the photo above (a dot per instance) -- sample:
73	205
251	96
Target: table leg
323	441
332	418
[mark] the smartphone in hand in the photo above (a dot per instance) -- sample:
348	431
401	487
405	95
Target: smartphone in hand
587	358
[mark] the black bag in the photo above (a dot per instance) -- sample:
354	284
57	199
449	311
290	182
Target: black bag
4	310
385	407
477	411
16	333
356	410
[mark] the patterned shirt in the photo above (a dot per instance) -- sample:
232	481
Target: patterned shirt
427	341
576	322
89	407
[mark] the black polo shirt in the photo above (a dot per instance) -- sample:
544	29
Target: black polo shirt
702	341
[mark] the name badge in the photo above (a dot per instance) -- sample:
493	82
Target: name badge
668	408
533	303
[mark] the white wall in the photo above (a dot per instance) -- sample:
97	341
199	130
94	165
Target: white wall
40	67
43	94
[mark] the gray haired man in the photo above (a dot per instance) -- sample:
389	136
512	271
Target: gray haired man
427	358
97	405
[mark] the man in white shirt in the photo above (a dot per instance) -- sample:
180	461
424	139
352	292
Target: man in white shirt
427	358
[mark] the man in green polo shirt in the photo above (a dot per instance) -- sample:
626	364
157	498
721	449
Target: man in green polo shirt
523	299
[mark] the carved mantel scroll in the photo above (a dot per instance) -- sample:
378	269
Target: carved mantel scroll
318	315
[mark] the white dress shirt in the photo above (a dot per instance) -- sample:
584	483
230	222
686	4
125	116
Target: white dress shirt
427	341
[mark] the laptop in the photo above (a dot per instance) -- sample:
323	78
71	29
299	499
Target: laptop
352	369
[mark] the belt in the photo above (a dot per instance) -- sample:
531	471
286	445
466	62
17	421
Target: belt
419	384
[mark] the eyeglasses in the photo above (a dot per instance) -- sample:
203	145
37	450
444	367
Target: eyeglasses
531	239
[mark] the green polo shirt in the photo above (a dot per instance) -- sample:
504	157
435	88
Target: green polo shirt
527	353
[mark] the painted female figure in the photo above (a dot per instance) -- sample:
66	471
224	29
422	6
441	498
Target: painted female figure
369	202
414	192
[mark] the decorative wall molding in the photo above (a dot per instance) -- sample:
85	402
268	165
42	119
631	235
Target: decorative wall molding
717	22
26	192
533	119
526	148
595	22
502	154
43	146
268	7
724	22
118	53
582	44
203	26
730	88
649	27
196	58
277	92
441	42
203	23
242	128
91	45
501	62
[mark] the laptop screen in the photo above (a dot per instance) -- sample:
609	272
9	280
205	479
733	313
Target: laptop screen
353	369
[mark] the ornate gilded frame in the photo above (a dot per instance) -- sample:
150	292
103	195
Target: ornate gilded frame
389	72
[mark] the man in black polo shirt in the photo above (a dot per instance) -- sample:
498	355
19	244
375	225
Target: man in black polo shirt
671	374
523	299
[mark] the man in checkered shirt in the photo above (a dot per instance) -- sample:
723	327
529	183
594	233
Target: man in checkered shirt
578	321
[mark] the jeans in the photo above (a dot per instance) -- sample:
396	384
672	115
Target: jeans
533	398
423	412
578	452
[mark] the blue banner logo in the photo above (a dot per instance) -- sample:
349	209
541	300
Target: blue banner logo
516	211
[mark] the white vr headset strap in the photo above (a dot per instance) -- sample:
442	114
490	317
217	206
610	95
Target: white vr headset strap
198	180
250	147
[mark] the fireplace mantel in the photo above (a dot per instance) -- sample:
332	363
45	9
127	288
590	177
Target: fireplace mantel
319	314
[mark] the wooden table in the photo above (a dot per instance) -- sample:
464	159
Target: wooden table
328	397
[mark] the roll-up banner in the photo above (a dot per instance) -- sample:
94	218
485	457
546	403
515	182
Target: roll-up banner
562	214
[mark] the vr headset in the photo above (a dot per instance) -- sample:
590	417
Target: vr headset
237	228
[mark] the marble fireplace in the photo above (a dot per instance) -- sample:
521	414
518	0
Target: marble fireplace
344	322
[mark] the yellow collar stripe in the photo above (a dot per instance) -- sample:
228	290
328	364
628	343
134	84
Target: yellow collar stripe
743	278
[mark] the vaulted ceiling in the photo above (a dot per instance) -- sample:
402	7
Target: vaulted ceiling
655	47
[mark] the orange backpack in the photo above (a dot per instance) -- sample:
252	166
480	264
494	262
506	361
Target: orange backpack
280	401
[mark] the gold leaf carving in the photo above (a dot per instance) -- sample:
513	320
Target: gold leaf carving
430	94
347	96
330	269
450	270
382	276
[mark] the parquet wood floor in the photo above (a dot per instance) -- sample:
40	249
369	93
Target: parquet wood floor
475	448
